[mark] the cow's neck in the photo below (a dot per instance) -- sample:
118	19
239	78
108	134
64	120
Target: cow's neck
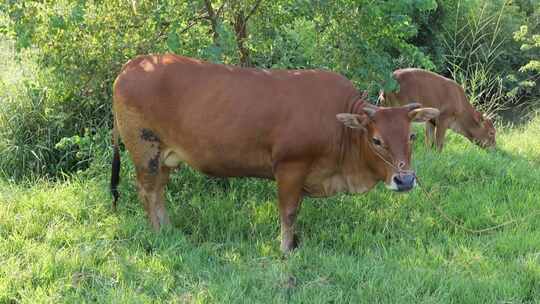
353	167
465	121
358	166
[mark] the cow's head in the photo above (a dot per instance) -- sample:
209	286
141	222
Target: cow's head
387	136
481	131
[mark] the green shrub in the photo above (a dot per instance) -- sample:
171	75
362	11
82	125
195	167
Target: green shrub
30	122
528	37
71	52
475	47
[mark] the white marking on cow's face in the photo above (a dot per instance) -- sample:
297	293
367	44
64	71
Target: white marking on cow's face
392	185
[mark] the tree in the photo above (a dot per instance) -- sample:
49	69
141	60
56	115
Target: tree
236	14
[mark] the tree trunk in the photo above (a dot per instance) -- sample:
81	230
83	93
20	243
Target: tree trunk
240	30
213	21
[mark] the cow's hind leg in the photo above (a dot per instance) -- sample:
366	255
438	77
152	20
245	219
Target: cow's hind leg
152	175
151	184
440	132
146	150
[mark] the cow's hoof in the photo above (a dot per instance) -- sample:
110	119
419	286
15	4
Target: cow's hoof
289	245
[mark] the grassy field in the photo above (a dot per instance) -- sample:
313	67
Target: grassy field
60	242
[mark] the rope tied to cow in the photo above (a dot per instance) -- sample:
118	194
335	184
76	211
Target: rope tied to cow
444	214
467	229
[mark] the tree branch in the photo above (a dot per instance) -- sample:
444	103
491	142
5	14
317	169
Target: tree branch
220	9
253	9
213	21
193	22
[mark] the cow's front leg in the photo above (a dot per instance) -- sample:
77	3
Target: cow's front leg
290	180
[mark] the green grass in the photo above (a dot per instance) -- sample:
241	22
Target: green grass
60	242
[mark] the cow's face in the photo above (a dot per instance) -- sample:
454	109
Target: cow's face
482	132
387	136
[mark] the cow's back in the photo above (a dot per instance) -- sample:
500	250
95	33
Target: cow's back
232	121
429	89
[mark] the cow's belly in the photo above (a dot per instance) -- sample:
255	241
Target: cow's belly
219	163
172	157
331	185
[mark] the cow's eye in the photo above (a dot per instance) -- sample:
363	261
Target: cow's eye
376	141
413	137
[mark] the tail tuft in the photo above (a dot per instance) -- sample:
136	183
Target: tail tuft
115	176
115	170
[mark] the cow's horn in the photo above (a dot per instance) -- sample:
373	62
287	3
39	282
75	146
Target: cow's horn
413	106
369	111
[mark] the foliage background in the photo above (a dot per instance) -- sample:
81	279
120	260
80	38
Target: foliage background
59	58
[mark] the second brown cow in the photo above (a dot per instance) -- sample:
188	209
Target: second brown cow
309	130
433	90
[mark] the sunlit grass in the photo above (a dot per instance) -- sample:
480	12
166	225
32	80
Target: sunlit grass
60	242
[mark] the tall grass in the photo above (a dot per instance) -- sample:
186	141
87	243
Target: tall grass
475	43
31	120
22	112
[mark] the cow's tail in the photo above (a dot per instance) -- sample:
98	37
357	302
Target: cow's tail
115	170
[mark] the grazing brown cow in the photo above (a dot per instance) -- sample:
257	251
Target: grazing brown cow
306	129
433	90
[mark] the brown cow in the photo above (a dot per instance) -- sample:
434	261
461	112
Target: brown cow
433	90
274	124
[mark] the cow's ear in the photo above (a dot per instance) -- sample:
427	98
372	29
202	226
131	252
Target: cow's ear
353	121
423	114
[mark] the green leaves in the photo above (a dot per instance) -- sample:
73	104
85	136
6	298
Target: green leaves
530	43
77	13
78	47
173	41
57	22
426	5
390	84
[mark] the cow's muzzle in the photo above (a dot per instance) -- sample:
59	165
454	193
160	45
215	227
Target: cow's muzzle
403	181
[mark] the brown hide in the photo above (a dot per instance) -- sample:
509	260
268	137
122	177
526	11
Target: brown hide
275	124
433	90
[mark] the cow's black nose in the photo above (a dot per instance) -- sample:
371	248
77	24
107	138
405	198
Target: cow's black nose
404	182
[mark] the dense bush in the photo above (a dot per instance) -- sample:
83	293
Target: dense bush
55	108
